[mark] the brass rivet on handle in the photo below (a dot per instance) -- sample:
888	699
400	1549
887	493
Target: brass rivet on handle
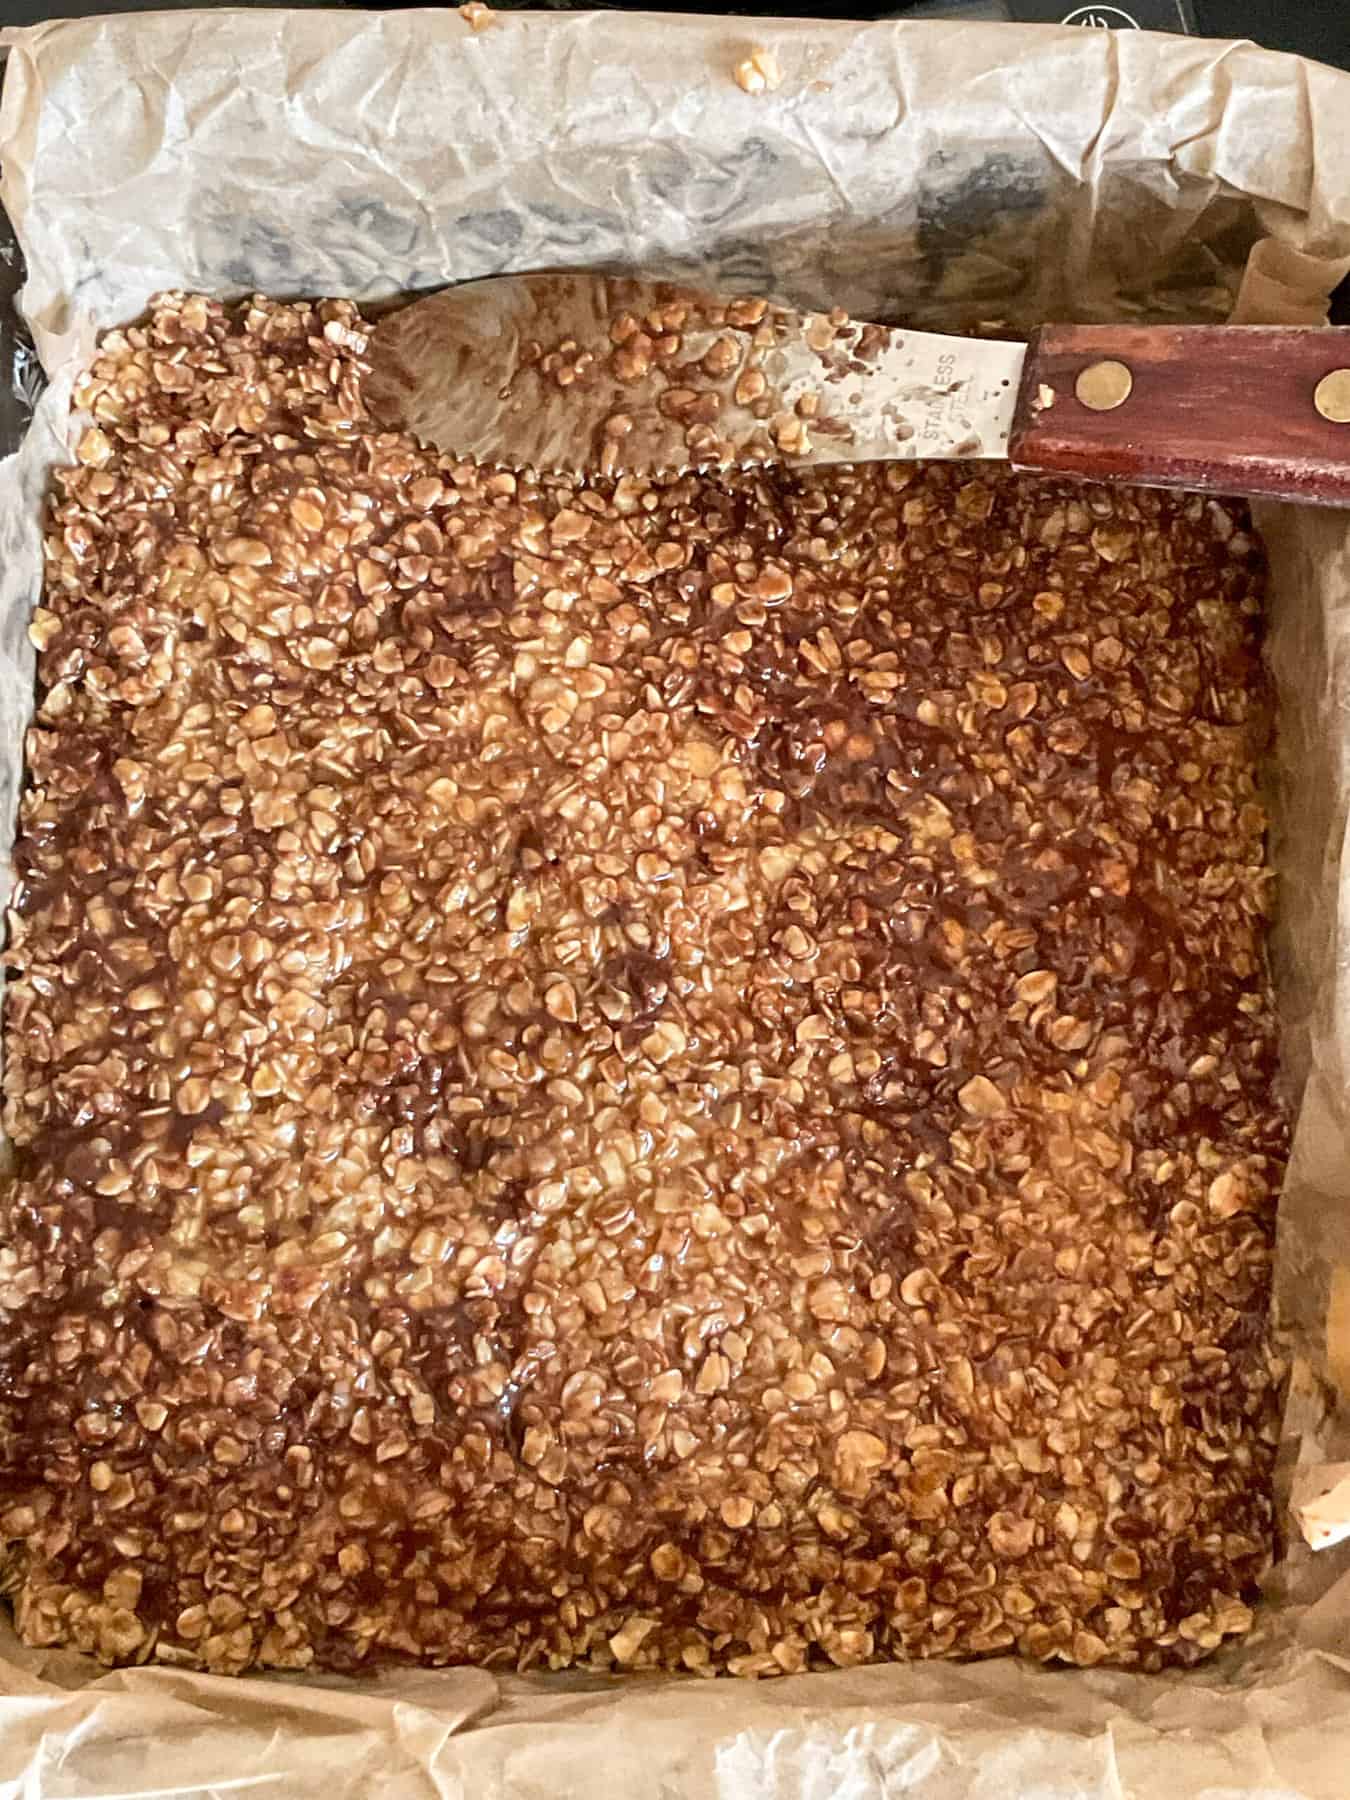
1103	385
1331	396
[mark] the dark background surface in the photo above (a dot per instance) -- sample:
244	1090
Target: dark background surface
1318	28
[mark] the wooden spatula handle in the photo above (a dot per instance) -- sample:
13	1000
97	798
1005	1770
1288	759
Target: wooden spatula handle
1238	409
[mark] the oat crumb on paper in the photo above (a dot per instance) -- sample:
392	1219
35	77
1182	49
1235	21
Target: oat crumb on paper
477	16
759	72
654	1074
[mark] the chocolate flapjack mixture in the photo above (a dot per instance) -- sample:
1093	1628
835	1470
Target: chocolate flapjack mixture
667	1073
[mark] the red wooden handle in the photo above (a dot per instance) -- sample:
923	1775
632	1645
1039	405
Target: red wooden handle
1238	409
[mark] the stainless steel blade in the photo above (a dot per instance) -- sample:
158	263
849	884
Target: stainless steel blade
611	374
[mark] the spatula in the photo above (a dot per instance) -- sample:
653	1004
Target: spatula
608	375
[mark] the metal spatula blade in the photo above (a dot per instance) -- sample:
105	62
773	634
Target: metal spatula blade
606	375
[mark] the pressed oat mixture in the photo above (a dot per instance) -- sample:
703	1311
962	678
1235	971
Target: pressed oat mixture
660	1074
